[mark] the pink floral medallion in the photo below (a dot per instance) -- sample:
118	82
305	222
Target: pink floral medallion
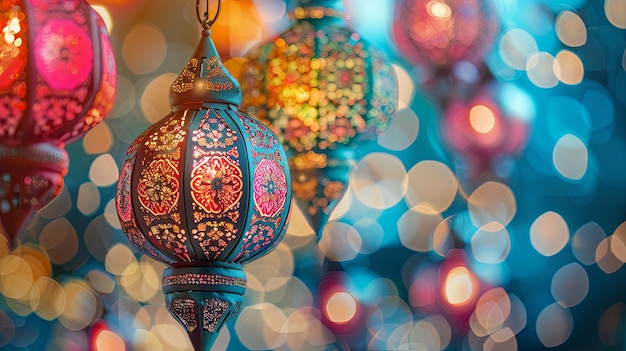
270	188
63	54
216	184
158	187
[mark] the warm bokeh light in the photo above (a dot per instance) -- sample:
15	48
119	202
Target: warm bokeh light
340	242
88	200
516	46
554	325
492	202
402	131
438	9
615	11
154	100
106	340
98	140
144	48
549	233
542	70
104	171
432	187
341	307
570	157
568	67
570	29
378	180
459	286
416	228
482	119
83	306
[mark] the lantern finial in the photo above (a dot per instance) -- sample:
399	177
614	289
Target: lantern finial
205	79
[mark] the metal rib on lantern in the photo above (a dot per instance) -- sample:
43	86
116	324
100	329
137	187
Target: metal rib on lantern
205	190
57	81
322	89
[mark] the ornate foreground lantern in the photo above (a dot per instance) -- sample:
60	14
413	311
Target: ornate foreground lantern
205	190
322	89
57	81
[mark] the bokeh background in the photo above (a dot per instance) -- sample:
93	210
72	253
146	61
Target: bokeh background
540	233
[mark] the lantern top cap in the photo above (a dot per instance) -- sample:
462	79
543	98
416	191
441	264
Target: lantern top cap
205	79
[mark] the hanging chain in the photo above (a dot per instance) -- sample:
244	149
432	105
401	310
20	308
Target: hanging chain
205	18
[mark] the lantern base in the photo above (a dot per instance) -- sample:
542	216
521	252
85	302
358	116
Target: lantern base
31	176
319	182
203	299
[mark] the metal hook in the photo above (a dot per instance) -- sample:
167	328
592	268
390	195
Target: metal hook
206	13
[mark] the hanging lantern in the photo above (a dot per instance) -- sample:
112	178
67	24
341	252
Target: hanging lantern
488	126
322	89
57	81
449	288
444	32
446	39
204	190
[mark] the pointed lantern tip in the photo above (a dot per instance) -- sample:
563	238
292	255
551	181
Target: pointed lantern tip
205	78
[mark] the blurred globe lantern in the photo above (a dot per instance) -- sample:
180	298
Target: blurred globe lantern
322	89
489	126
204	190
57	81
447	40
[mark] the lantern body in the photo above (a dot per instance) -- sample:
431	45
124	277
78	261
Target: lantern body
483	128
443	32
322	89
204	190
57	81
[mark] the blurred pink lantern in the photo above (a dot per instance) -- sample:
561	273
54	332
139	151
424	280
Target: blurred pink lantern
57	81
449	288
447	40
443	32
487	127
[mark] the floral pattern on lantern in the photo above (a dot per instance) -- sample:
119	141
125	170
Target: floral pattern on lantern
315	89
270	188
64	55
158	187
66	89
216	184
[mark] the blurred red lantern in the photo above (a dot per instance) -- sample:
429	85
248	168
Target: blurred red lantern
205	190
57	81
486	127
449	288
447	40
